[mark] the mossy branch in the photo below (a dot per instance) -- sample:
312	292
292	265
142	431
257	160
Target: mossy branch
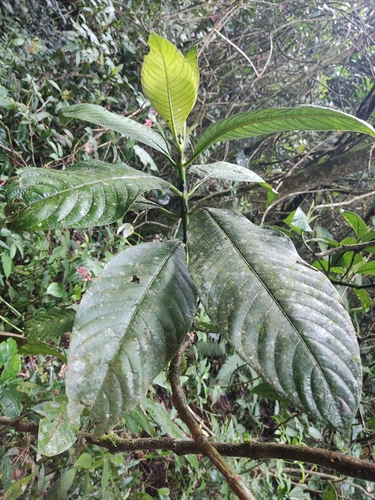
339	462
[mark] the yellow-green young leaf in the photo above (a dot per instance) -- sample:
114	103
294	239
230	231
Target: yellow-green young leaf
192	58
170	82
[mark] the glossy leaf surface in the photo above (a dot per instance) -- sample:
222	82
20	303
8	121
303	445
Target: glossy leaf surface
56	434
225	170
229	172
192	58
129	325
10	362
271	121
10	398
170	82
282	316
87	194
124	126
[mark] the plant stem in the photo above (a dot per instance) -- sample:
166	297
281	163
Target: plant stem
184	195
235	481
11	324
10	307
339	462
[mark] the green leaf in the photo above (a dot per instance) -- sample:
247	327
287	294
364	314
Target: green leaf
228	369
225	170
145	158
366	300
369	236
7	264
298	221
50	324
163	491
84	461
170	83
368	268
56	290
160	415
11	368
56	434
124	126
9	360
142	203
17	489
324	239
129	325
35	348
315	433
137	421
356	222
7	350
281	315
87	194
330	493
61	487
229	172
162	381
192	58
272	121
10	399
265	391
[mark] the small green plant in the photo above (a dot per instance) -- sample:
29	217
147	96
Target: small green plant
283	317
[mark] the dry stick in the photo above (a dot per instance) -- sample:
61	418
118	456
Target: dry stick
15	153
344	203
346	248
340	462
234	480
325	205
239	50
218	25
259	74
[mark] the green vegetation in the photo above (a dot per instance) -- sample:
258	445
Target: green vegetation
167	287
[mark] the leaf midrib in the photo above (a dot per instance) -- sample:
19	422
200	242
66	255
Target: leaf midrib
158	142
81	186
217	135
168	94
136	310
240	254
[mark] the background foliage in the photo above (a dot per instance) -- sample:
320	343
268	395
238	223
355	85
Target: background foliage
253	55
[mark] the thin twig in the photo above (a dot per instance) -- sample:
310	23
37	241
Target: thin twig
235	481
239	50
344	203
15	153
346	248
352	285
